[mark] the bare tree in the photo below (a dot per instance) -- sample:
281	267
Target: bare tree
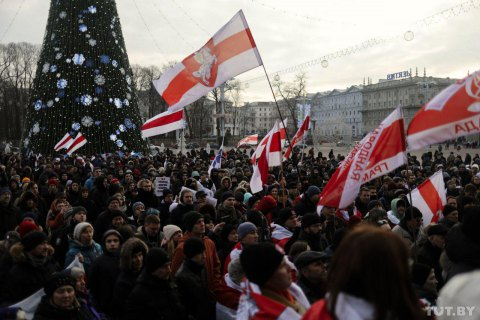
291	92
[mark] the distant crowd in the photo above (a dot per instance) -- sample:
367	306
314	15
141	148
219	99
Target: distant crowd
105	239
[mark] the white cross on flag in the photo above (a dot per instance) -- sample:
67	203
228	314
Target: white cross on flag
380	152
453	113
230	52
430	197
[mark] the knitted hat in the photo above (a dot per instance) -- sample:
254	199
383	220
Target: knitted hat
259	261
156	258
169	230
5	190
312	190
438	229
112	232
192	247
307	257
136	204
53	181
73	211
190	219
153	211
420	273
32	239
227	195
26	180
26	227
79	229
58	279
284	215
30	215
244	229
310	219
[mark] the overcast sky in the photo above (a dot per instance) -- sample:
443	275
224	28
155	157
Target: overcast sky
289	33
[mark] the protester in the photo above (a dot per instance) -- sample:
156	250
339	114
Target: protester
312	274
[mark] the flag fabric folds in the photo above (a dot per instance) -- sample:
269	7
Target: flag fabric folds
64	143
380	152
230	52
297	139
162	123
430	198
453	113
217	161
248	141
76	144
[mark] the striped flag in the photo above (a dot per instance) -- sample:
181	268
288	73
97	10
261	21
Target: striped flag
230	52
217	161
248	141
298	137
162	123
76	144
430	197
64	143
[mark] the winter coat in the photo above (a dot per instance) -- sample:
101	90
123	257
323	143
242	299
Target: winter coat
102	224
227	215
305	206
153	298
194	294
9	218
47	311
430	255
312	292
148	199
60	240
212	263
178	213
123	287
101	281
315	242
463	252
89	253
26	277
152	242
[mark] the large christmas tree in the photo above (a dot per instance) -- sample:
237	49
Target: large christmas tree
83	82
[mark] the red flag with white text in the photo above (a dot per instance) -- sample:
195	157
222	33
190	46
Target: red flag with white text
379	153
251	140
453	113
230	52
162	123
430	198
297	139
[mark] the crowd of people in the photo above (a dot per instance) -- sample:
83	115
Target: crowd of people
104	242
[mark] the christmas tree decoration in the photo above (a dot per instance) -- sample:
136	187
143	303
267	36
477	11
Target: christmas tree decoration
83	83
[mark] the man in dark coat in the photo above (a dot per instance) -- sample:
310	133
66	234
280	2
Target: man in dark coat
430	253
154	295
104	220
33	265
8	213
309	201
185	205
312	269
104	272
192	281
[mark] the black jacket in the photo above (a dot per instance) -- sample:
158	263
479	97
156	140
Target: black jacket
152	298
101	281
312	292
194	293
178	213
123	287
305	206
9	218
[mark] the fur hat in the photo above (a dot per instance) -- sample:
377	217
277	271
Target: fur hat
169	230
79	229
260	261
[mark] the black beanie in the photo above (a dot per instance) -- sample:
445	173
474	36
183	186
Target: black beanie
420	273
112	232
33	239
310	219
190	219
284	215
156	258
260	261
227	195
412	213
192	247
58	279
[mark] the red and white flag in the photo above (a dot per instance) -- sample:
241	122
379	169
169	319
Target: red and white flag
162	123
77	143
298	137
380	152
453	113
255	306
64	143
248	141
430	197
230	52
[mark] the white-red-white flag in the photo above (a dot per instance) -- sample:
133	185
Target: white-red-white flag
253	305
230	52
64	143
453	113
162	123
430	198
248	141
380	152
76	144
298	136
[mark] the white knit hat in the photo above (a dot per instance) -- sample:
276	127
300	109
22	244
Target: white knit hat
79	229
169	230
